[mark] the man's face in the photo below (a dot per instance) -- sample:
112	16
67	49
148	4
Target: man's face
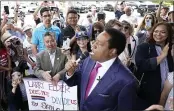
128	12
50	43
46	17
93	9
72	19
29	33
100	48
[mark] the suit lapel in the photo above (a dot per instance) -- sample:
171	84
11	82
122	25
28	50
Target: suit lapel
85	77
106	79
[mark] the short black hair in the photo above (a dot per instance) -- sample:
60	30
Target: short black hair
72	11
52	34
44	9
117	40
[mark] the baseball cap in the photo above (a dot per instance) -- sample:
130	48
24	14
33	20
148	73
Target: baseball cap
81	34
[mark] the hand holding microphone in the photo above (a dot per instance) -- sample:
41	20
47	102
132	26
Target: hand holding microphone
72	65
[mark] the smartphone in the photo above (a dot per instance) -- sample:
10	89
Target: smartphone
149	23
6	9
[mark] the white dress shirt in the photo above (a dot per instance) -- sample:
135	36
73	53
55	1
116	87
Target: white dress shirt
101	72
52	58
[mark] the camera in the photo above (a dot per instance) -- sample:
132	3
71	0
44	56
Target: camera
16	46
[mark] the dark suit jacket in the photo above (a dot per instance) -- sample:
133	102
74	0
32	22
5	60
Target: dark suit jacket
115	91
147	63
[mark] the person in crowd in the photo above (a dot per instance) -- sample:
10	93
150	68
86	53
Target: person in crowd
154	61
15	49
87	21
113	23
166	99
83	44
27	45
17	96
119	10
72	27
128	55
97	28
50	61
101	16
5	71
107	85
144	28
164	12
94	13
171	15
37	37
128	16
37	19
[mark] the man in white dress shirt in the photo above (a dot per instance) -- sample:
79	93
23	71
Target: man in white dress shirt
129	17
50	61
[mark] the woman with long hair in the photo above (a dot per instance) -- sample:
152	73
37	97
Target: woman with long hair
154	61
145	27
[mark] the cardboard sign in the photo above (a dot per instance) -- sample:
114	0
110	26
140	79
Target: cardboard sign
43	95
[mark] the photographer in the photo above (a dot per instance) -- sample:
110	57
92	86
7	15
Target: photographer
15	49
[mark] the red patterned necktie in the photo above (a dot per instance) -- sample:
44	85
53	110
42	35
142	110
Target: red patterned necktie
92	78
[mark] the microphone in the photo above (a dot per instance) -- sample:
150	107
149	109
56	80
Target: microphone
82	57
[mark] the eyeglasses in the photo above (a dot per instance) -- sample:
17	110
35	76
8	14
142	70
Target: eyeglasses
46	16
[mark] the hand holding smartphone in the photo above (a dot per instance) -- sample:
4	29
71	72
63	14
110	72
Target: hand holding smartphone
6	10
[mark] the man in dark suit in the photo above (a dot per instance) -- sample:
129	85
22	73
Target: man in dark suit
50	61
106	85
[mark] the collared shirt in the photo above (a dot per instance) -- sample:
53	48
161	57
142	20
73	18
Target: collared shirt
52	58
38	35
101	72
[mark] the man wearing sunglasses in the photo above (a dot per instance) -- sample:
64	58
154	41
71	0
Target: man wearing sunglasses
37	39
